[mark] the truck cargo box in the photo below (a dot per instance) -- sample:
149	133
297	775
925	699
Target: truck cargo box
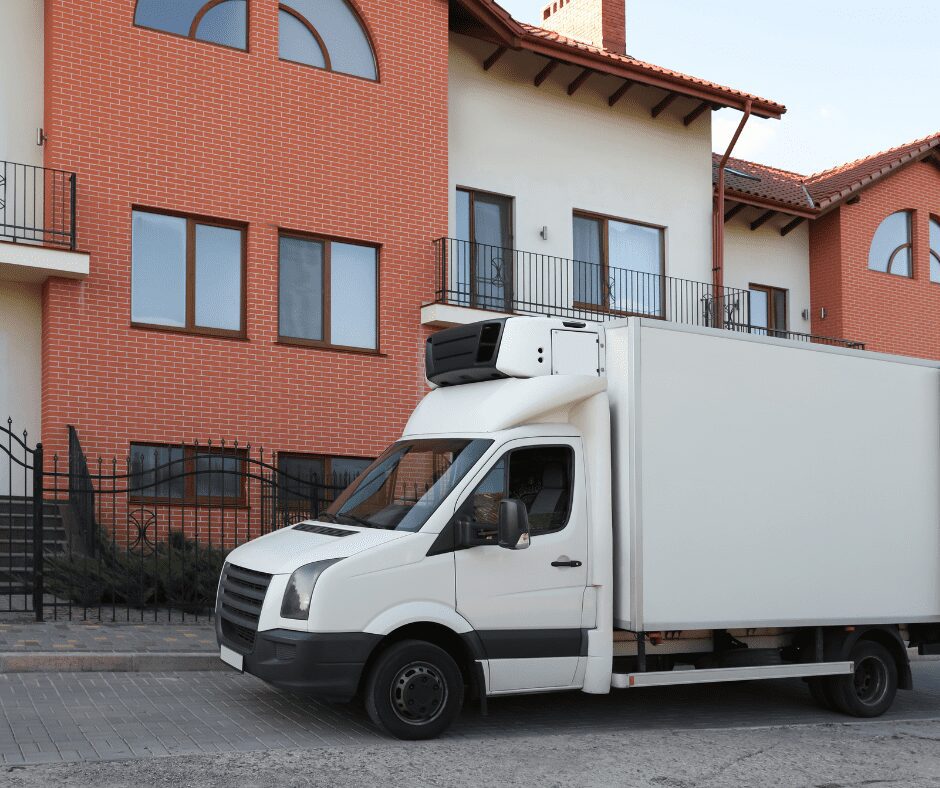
758	482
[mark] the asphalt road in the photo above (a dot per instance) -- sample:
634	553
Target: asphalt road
225	729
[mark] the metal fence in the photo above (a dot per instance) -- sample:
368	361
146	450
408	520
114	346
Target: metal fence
493	278
37	204
140	538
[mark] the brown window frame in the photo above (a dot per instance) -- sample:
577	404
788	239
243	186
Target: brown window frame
769	291
932	254
509	278
325	343
911	216
194	25
191	327
605	220
190	498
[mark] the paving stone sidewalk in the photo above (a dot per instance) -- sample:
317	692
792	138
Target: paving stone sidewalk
137	638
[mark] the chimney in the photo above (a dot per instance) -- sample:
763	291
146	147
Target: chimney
602	23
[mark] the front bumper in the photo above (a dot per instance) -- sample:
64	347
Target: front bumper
323	664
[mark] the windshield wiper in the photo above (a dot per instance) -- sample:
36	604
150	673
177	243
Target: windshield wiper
327	517
357	520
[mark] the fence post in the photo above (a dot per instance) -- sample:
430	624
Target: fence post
38	584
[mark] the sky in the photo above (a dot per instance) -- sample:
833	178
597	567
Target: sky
856	76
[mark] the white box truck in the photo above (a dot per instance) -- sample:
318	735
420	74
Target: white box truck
587	507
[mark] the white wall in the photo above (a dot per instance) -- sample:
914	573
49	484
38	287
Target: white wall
555	153
20	375
21	80
764	257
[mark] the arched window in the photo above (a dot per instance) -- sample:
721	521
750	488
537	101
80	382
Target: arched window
222	22
891	247
325	34
934	249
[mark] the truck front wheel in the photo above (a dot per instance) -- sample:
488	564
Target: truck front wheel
414	690
870	690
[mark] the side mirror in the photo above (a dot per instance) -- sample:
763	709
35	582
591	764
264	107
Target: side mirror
513	524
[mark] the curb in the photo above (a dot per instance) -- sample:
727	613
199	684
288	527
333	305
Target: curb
110	662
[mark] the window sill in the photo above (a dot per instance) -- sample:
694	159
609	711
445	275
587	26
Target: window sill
312	345
211	333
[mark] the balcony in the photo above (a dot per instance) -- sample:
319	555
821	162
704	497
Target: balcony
495	282
37	224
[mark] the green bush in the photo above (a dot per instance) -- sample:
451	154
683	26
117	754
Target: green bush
180	574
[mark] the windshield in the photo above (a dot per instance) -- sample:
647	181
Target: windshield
404	486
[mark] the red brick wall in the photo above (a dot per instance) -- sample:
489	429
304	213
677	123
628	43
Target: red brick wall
600	22
150	119
892	314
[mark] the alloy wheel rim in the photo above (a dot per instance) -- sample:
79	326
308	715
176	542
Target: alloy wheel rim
418	693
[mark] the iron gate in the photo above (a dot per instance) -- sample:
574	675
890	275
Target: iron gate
138	538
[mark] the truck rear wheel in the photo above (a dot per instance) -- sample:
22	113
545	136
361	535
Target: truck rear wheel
414	690
870	690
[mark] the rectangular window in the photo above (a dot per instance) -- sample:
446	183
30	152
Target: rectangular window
187	274
768	310
187	474
328	293
619	266
310	481
483	268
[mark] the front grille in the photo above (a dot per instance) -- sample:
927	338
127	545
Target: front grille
240	598
313	528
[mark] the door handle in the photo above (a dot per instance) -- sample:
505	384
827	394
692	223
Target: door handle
566	563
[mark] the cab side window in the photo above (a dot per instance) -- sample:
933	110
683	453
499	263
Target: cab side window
541	477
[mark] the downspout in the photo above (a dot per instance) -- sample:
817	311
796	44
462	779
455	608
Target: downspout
718	226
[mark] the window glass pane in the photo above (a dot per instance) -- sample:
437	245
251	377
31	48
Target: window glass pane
492	258
588	251
158	275
225	23
780	310
635	264
934	250
300	310
483	504
541	478
760	310
353	295
218	277
460	263
300	480
218	475
343	35
156	472
892	233
173	16
296	42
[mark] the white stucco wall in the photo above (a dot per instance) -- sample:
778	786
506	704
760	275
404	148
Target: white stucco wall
21	80
764	257
20	376
555	153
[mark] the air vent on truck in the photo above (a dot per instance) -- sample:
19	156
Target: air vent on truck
464	354
313	528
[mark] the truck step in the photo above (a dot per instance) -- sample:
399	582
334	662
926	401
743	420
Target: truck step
666	678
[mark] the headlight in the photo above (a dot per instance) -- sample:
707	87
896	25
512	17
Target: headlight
296	602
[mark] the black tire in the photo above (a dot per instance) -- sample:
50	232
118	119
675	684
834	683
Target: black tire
414	690
870	690
822	690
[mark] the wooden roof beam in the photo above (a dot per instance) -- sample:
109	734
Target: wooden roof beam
790	226
734	211
762	219
545	73
579	81
492	59
696	113
620	92
659	108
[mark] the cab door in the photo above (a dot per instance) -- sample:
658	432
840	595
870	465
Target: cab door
525	605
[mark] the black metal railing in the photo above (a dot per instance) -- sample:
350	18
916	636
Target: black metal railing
37	204
493	278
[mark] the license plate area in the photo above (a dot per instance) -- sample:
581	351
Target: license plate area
232	658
